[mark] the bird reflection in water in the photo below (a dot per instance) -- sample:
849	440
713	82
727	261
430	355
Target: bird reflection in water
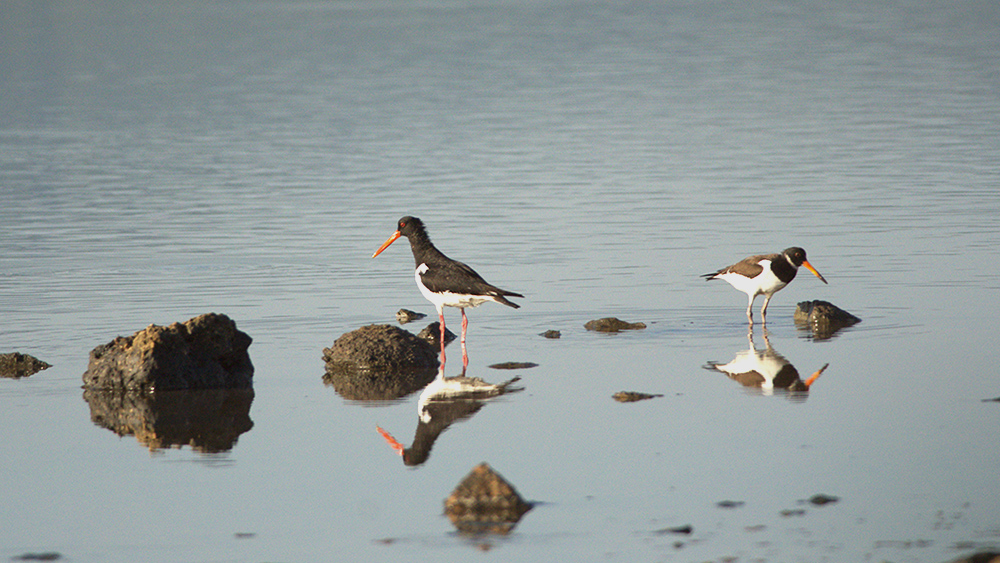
443	402
766	370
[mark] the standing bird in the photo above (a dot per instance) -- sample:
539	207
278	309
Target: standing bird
764	274
443	281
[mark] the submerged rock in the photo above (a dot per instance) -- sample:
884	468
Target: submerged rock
485	503
612	324
981	557
16	365
632	396
553	334
823	318
206	352
407	316
432	333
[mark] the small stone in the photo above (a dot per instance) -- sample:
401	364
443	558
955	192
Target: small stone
729	503
407	316
553	334
612	324
821	499
432	334
684	530
632	396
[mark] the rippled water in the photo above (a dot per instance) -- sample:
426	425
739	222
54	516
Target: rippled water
163	160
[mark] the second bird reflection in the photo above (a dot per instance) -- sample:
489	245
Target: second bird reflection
766	370
443	402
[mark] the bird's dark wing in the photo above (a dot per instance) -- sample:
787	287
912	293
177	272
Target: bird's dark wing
748	267
457	277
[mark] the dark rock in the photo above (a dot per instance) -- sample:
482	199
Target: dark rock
17	365
729	503
823	318
207	420
484	503
821	499
684	530
379	362
432	334
514	365
206	352
981	557
612	324
407	316
380	348
551	334
43	556
632	396
993	400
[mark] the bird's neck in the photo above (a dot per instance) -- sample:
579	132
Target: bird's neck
423	250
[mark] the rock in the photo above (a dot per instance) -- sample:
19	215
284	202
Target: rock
729	503
380	348
407	316
379	362
432	333
821	499
207	420
823	318
551	334
514	365
17	365
632	396
612	324
981	557
42	556
206	352
687	529
485	503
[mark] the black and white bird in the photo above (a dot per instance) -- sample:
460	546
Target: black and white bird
764	274
443	281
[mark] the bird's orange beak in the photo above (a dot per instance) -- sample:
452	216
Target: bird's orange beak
805	263
396	235
391	441
812	378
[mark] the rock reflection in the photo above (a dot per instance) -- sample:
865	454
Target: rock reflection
207	420
766	370
444	401
376	385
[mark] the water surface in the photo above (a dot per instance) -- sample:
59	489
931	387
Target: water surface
162	160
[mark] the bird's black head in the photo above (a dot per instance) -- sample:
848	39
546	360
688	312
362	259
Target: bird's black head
795	255
409	225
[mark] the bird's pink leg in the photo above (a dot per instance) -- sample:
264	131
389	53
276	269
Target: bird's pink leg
465	327
441	322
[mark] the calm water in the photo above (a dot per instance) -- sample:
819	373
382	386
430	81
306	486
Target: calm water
163	160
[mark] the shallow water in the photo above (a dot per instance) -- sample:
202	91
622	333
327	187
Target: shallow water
163	160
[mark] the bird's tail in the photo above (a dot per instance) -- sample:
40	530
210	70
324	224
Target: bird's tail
499	298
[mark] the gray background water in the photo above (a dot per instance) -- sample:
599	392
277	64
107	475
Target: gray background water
165	159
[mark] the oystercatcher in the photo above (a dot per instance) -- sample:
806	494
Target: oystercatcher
764	274
443	281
